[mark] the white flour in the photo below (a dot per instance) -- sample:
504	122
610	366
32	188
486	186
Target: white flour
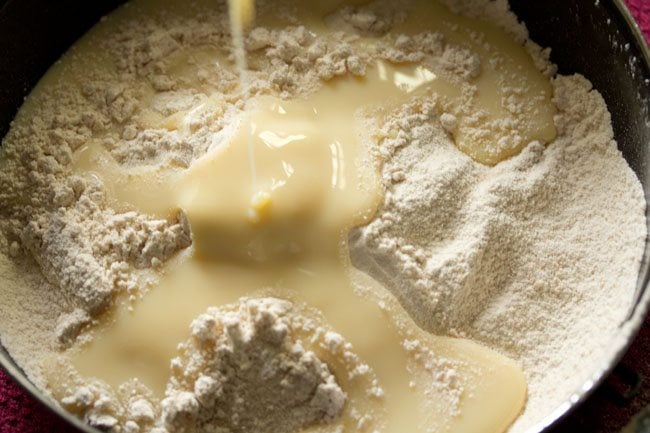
536	257
62	222
244	370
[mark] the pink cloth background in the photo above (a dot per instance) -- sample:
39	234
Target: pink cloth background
20	413
641	11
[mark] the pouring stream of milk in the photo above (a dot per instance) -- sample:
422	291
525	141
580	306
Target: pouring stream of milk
242	14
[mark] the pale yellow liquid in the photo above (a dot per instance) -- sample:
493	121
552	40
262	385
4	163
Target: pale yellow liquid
321	181
312	159
504	65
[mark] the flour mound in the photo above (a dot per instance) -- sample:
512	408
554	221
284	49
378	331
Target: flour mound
526	256
86	251
243	370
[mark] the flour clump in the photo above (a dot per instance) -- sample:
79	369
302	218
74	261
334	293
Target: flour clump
243	370
509	255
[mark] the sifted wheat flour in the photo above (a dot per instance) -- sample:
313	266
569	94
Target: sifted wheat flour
244	370
537	256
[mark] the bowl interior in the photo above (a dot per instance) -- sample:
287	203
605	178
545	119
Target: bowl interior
595	38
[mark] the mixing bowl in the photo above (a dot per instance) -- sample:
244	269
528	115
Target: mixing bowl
597	38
